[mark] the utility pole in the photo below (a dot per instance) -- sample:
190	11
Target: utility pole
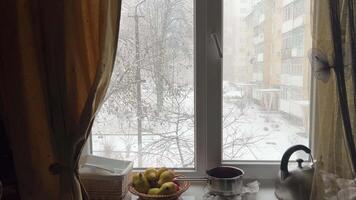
138	84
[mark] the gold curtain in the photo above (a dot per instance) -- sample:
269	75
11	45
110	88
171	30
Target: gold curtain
330	144
55	66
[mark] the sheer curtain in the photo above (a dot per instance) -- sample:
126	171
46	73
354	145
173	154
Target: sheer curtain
333	34
55	66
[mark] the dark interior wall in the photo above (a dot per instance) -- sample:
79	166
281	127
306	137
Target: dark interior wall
7	171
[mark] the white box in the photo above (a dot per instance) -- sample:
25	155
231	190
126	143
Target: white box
104	178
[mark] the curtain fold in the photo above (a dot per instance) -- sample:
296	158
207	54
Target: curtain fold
56	62
331	145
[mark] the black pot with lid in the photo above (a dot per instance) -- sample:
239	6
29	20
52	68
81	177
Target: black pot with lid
222	181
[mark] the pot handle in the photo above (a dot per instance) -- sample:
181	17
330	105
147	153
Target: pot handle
286	157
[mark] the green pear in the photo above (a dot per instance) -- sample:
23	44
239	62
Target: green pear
161	170
167	188
153	191
151	174
166	176
140	183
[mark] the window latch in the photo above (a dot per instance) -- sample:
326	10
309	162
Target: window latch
215	37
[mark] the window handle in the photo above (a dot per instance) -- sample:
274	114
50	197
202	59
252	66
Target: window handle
215	37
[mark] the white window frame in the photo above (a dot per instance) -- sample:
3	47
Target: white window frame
208	100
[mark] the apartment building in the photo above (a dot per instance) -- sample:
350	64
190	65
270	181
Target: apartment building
280	38
263	23
295	74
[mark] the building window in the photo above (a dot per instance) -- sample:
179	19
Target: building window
294	10
288	12
292	67
293	43
299	8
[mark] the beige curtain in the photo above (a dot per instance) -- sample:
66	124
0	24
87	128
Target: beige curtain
330	144
55	65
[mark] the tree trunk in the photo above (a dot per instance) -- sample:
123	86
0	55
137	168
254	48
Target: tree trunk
159	70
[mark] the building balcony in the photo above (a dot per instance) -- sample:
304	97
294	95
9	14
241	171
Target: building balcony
293	24
292	53
286	2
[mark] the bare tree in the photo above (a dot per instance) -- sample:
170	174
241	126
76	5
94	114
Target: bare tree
238	139
147	96
174	129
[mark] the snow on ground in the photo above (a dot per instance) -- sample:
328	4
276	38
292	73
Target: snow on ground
267	135
250	133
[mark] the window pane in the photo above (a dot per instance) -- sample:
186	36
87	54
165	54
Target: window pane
266	78
148	114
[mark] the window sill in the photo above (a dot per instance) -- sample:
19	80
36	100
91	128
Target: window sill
197	191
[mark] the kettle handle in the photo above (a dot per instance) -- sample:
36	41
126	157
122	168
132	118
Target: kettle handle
286	157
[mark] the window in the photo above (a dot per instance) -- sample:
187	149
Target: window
261	121
293	43
288	12
292	67
148	115
174	101
294	10
299	8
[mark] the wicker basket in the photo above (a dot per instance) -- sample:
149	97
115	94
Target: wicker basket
182	188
